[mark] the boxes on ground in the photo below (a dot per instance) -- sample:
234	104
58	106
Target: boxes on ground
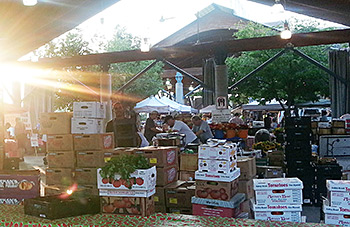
246	187
145	179
221	177
89	159
269	171
188	162
55	123
336	215
86	126
86	176
60	142
59	189
218	208
127	205
227	152
247	167
187	175
339	193
216	190
92	142
159	196
89	110
166	175
179	194
160	156
59	176
180	210
216	166
277	212
58	159
338	123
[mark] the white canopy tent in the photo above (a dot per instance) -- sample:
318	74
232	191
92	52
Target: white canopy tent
269	106
178	106
162	105
208	109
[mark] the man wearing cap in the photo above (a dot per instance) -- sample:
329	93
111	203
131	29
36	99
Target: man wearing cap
150	127
179	126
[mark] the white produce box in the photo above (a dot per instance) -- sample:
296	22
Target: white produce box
221	152
277	183
86	126
222	177
279	196
216	166
338	185
292	216
127	193
89	110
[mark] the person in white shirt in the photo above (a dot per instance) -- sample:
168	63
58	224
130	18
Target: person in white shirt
179	126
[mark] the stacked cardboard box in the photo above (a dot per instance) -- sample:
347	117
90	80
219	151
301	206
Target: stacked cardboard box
278	199
337	207
338	127
166	160
188	166
88	117
217	182
118	198
178	197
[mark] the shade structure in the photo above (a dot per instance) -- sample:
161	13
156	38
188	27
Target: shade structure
179	107
269	106
162	105
208	109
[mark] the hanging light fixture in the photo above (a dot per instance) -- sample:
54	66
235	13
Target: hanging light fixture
145	45
278	7
191	88
168	84
30	2
286	33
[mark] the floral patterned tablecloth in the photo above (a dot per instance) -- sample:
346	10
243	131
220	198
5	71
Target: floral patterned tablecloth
13	216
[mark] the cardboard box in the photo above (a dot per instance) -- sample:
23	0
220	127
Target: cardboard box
338	123
277	207
337	219
205	210
55	123
61	159
108	154
220	152
278	184
327	209
339	199
169	142
60	142
221	177
127	193
14	199
89	159
324	131
89	110
179	194
160	208
166	175
90	142
216	190
338	185
145	180
21	182
160	156
338	131
86	126
188	162
247	166
159	196
59	189
59	176
292	216
58	159
216	166
279	196
85	176
324	125
127	205
246	187
235	201
180	210
270	171
187	175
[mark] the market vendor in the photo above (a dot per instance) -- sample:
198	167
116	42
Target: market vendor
201	129
150	127
179	126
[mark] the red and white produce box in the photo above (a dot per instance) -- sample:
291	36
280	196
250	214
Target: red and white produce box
336	215
127	193
222	177
338	185
277	183
216	166
222	152
292	216
145	180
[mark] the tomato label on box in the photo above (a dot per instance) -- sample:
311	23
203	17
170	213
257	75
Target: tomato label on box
222	177
216	190
338	185
279	196
277	183
141	179
337	219
292	216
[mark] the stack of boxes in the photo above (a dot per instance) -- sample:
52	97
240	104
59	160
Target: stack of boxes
338	127
278	199
188	166
336	208
298	153
178	197
217	182
118	198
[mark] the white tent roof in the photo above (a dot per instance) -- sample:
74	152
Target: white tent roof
162	105
273	105
208	109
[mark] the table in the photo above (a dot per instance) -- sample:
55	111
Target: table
13	216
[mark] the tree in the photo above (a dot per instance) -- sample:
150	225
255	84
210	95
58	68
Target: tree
149	83
289	78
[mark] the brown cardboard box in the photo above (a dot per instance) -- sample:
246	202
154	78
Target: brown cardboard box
90	159
247	166
160	156
55	123
160	208
159	196
270	171
60	142
90	142
166	175
338	131
168	142
108	154
216	190
187	175
61	159
180	210
324	131
246	187
86	176
338	123
178	194
59	176
58	189
188	162
127	205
